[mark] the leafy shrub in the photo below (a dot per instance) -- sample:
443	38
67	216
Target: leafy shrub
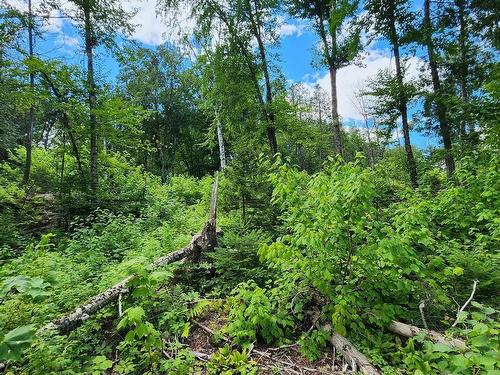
252	316
336	243
236	260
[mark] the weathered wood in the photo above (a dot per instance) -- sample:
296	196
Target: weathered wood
407	330
357	360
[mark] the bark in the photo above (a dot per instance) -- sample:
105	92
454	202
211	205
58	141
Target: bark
220	139
337	133
74	146
92	101
403	106
62	164
357	360
31	115
65	124
407	330
329	57
370	144
464	67
436	85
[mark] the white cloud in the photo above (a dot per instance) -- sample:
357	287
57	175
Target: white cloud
295	27
352	78
152	28
149	26
64	40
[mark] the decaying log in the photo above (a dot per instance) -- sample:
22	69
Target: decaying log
357	360
83	312
407	330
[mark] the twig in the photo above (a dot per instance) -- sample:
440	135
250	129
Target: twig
421	308
282	347
467	302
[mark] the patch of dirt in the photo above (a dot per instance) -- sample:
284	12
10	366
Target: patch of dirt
205	339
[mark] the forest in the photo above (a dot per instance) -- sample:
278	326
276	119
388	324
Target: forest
230	187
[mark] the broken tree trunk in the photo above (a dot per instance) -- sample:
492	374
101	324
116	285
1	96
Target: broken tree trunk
204	241
407	330
357	360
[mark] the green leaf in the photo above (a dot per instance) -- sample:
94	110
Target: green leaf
460	362
15	341
443	348
135	314
480	328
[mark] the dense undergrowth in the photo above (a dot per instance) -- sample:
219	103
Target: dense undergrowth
350	245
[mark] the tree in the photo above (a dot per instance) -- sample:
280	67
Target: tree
160	82
99	22
335	21
438	95
391	18
243	23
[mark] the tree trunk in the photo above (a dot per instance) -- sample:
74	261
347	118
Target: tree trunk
89	45
403	107
337	133
357	360
220	139
31	115
65	123
369	137
436	85
407	330
329	57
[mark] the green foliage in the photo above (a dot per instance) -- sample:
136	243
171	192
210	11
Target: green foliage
312	344
183	363
139	330
34	287
317	239
253	316
231	362
236	260
15	342
338	246
99	365
482	356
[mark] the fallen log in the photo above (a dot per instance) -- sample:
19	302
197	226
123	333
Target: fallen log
71	320
407	330
358	361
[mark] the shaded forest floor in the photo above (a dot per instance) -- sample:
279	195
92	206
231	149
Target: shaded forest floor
205	339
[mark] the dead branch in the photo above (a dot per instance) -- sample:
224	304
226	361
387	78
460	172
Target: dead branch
407	330
466	303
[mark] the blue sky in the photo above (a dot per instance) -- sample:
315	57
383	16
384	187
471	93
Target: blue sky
60	40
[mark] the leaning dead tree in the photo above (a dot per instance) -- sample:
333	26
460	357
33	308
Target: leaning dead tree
204	241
